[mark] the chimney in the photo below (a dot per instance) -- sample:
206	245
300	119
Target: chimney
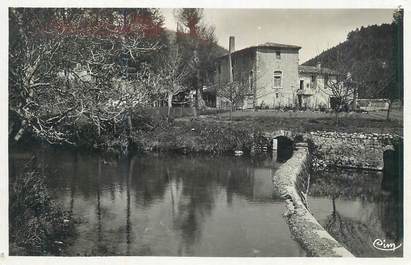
231	44
231	48
319	65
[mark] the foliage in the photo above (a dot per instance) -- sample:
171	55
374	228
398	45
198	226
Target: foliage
198	45
341	90
373	55
235	92
81	72
71	65
202	137
172	73
37	225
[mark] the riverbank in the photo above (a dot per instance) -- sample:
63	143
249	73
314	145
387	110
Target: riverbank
216	133
219	137
219	134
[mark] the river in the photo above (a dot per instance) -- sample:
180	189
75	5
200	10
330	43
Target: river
201	205
168	205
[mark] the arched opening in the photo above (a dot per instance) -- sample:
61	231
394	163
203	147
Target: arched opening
285	147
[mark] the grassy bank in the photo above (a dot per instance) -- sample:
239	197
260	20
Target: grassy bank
201	137
217	133
220	134
267	120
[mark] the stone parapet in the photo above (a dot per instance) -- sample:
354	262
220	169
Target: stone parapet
291	182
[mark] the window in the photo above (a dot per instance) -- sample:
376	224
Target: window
277	79
313	82
250	78
278	55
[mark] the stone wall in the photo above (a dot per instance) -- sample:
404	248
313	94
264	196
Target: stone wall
349	150
291	182
339	149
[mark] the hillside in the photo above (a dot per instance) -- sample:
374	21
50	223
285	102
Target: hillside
369	54
171	36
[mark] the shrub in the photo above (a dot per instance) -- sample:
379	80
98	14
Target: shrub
37	225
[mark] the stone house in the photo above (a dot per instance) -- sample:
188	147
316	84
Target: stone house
271	77
313	92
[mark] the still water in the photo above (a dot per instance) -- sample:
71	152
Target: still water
168	204
353	208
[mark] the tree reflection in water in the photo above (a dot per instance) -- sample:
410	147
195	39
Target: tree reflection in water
367	213
169	205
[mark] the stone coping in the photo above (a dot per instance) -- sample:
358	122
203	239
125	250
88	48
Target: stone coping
314	239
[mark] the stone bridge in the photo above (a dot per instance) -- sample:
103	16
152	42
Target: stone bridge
337	149
282	133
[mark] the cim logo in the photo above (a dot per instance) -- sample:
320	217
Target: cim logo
382	245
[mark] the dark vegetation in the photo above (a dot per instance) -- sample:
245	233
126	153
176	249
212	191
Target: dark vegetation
90	79
37	226
373	56
96	78
202	137
85	77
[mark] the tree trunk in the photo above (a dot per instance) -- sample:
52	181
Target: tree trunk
389	110
129	123
194	108
231	110
354	102
169	104
336	118
334	210
114	126
19	134
98	127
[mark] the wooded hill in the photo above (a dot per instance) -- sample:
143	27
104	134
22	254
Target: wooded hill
373	56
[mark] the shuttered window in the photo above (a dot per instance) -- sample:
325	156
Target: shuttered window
278	79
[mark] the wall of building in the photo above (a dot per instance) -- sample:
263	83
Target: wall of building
318	96
243	63
266	65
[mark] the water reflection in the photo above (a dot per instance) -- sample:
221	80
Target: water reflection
170	205
353	208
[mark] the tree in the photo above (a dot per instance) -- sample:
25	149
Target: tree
64	67
397	90
235	92
35	60
198	48
173	72
341	90
190	18
374	56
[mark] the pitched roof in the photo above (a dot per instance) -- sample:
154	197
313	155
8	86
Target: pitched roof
266	45
278	45
315	70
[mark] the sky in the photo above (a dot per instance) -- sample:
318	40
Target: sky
315	30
